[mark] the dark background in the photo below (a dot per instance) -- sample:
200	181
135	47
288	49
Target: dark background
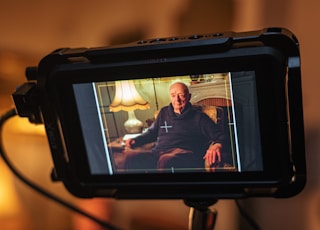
32	29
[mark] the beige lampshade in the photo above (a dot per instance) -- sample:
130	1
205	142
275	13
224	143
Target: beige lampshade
127	98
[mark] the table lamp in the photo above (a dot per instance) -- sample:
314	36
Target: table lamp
128	99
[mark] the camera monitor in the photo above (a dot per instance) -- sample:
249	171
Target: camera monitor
115	127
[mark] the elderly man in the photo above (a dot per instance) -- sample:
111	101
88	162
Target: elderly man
184	136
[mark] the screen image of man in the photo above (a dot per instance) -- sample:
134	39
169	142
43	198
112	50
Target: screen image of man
184	137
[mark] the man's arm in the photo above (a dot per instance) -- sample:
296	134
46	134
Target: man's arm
216	137
147	137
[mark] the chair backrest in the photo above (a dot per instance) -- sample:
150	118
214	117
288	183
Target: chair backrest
213	109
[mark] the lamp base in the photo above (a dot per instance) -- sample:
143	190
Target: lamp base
133	125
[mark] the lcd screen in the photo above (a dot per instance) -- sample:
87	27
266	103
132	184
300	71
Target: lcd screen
112	112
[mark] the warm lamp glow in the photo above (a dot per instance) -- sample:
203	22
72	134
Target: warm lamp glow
9	205
128	99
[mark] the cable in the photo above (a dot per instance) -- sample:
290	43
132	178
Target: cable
246	216
11	113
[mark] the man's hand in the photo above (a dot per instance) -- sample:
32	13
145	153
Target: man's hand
130	142
213	154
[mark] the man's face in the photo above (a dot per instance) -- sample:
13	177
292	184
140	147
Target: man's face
179	96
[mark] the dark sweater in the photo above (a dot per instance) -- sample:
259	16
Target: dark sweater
192	130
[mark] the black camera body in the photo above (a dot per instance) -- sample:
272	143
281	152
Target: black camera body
257	77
